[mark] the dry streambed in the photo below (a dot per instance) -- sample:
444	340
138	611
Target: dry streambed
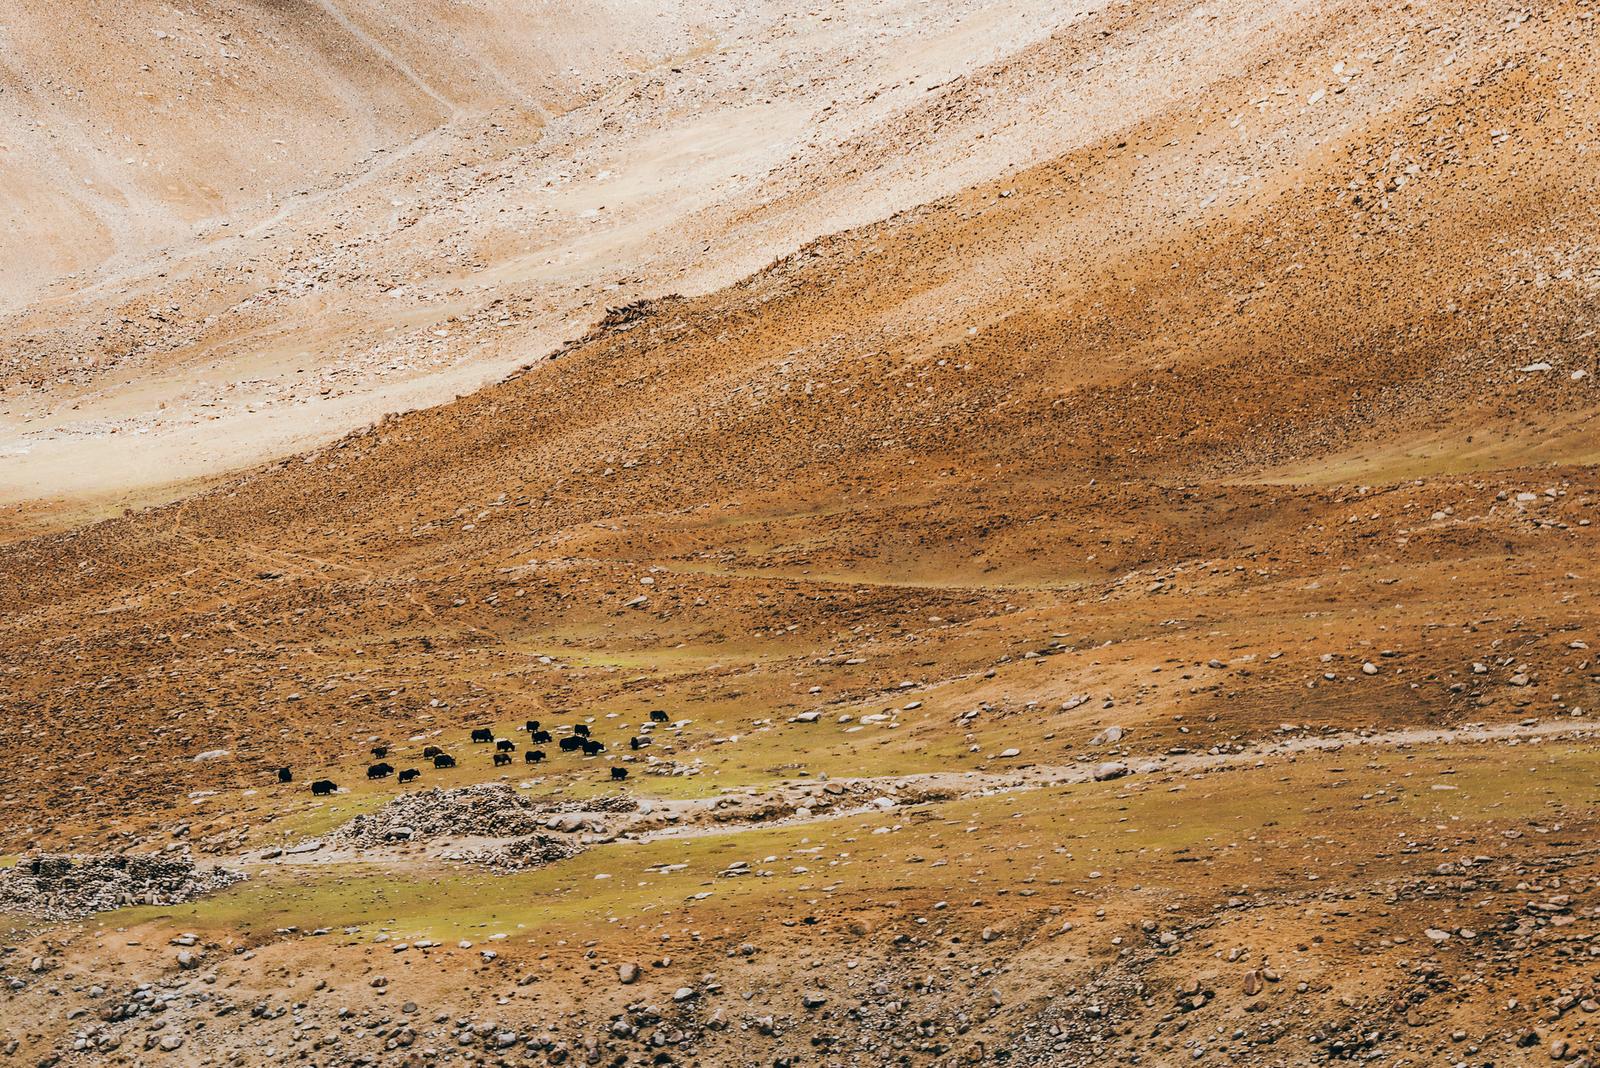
498	827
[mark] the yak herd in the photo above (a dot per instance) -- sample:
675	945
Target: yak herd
576	740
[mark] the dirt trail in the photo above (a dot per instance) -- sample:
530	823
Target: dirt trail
948	786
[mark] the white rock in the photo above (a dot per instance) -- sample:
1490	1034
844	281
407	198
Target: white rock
1111	770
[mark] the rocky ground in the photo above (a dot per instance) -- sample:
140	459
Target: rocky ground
1074	529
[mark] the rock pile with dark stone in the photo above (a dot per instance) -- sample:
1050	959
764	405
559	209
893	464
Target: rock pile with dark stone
54	886
533	851
487	810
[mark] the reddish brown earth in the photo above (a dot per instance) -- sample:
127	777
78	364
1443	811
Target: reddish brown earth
1247	405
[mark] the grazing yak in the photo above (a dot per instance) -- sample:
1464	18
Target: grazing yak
533	756
483	734
285	775
408	774
323	786
444	760
638	743
431	751
593	748
618	774
378	771
658	716
541	738
570	742
379	752
581	728
502	758
532	726
505	745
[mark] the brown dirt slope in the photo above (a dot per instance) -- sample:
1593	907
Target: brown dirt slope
1259	423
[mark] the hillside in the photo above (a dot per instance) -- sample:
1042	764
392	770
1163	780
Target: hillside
1075	529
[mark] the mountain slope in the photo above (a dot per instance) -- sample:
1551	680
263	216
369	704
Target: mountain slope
1126	605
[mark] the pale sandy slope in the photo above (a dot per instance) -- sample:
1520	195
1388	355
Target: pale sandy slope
368	207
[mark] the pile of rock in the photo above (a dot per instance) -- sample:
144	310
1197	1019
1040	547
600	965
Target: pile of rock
518	854
611	803
487	810
54	886
670	768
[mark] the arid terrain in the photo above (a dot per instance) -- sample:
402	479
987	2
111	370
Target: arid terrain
1071	525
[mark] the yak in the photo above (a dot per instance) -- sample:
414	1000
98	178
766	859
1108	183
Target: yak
285	775
444	760
378	771
409	774
658	716
618	774
502	758
323	786
533	756
483	734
